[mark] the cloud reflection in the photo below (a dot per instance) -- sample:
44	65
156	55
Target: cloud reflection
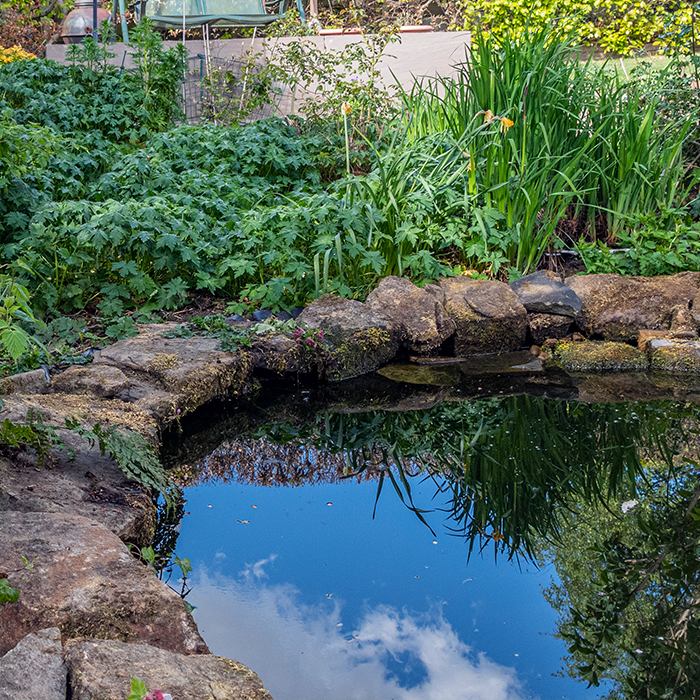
303	652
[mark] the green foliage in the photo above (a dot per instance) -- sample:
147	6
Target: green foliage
134	455
652	245
339	80
628	602
138	689
7	593
35	435
620	26
93	96
22	149
16	312
549	138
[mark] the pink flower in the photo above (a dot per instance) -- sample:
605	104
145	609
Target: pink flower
311	342
320	334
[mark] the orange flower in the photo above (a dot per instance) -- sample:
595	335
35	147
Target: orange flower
505	124
346	108
488	116
496	536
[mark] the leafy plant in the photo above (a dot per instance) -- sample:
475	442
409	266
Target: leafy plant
16	312
652	245
132	453
35	435
8	594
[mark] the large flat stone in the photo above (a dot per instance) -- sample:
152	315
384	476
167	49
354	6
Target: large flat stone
85	582
487	314
543	292
617	308
101	670
422	319
34	669
90	485
97	380
183	373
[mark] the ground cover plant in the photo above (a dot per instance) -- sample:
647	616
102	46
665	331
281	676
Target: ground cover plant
113	210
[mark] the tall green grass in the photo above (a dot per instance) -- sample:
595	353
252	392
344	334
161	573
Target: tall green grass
573	140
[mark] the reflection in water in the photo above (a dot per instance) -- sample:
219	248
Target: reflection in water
525	475
312	651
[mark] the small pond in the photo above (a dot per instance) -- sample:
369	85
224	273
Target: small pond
502	546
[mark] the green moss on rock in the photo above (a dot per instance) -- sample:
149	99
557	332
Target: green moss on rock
362	352
678	357
600	357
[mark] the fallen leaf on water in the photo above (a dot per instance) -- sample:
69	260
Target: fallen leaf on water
253	506
245	522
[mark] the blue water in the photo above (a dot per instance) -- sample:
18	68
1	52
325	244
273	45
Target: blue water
324	602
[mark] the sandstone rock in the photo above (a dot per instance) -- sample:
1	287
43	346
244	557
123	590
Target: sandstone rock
88	410
183	372
674	355
101	670
683	323
281	354
357	338
645	336
543	292
600	357
34	669
89	485
85	581
98	380
617	308
34	382
546	326
423	321
488	315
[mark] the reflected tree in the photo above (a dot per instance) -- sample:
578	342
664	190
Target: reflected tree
509	468
629	596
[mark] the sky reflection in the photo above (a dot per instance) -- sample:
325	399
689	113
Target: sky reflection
308	654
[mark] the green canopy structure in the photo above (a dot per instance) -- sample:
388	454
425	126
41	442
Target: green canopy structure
168	14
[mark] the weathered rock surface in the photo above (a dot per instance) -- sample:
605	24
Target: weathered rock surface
171	375
546	326
88	410
97	380
421	318
34	669
85	581
674	355
543	292
617	308
357	339
101	670
488	316
90	485
281	354
594	356
34	382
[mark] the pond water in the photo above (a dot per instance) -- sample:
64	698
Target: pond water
443	552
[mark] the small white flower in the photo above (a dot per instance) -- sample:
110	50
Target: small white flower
628	505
